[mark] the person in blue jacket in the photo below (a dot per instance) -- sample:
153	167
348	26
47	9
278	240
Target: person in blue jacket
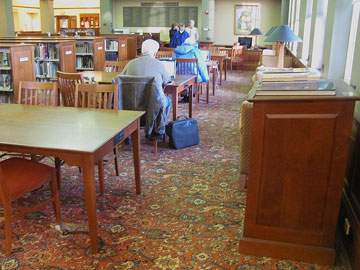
188	50
180	36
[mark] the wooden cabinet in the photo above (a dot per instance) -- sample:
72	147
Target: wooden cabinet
252	59
67	56
89	20
298	159
349	218
64	21
99	54
16	64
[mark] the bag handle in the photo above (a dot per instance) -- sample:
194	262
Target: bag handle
182	116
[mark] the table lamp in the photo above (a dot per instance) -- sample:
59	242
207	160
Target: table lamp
282	34
256	32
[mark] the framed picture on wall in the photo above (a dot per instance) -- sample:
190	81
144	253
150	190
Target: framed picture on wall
247	17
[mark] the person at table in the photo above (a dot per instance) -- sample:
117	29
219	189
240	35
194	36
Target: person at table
189	50
148	65
179	37
193	31
172	31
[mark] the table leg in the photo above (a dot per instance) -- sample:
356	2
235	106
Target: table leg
175	100
207	92
90	199
135	138
225	67
221	70
58	171
191	99
214	80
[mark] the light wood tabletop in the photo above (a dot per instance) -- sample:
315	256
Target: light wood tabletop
100	76
81	137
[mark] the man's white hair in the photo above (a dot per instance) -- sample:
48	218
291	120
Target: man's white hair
149	47
190	40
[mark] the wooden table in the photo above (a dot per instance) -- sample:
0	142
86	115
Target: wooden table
81	137
299	150
221	58
101	76
212	67
181	83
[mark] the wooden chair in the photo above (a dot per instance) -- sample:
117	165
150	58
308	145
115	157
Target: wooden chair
164	54
99	96
191	67
66	83
237	57
38	93
115	66
167	49
18	177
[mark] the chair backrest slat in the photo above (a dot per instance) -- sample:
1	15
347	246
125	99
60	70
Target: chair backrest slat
98	96
115	66
66	82
38	93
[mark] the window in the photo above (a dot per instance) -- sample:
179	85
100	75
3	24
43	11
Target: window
307	31
319	34
352	41
296	24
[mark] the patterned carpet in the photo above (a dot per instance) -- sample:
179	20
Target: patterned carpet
190	215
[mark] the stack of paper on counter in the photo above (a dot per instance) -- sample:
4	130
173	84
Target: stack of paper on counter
299	75
321	87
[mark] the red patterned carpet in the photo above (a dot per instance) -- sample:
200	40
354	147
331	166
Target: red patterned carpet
190	215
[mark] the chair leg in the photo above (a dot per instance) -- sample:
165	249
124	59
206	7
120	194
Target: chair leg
55	195
207	92
155	145
8	225
116	161
243	182
101	176
58	171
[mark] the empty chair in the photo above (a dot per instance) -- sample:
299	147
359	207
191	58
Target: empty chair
191	67
115	66
164	54
66	83
99	96
38	93
18	177
237	57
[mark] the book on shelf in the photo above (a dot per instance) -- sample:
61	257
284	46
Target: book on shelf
84	47
84	62
111	45
111	56
322	87
4	59
5	82
46	51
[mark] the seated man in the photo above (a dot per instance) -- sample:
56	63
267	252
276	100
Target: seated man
148	65
189	49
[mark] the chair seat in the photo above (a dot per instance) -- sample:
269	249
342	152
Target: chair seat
14	169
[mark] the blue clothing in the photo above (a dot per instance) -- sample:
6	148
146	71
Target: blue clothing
167	105
188	51
179	38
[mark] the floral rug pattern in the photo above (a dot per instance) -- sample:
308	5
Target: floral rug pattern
190	214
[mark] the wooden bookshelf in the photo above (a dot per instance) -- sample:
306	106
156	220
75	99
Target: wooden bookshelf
16	64
50	55
115	48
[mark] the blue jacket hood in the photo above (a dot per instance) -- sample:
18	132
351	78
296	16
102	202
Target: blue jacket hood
185	48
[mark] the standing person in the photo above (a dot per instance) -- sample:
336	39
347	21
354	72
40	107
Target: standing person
180	36
193	31
174	28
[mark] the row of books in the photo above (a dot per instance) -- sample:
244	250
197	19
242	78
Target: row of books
47	51
84	47
111	45
46	69
6	99
111	56
294	82
5	82
84	62
4	59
